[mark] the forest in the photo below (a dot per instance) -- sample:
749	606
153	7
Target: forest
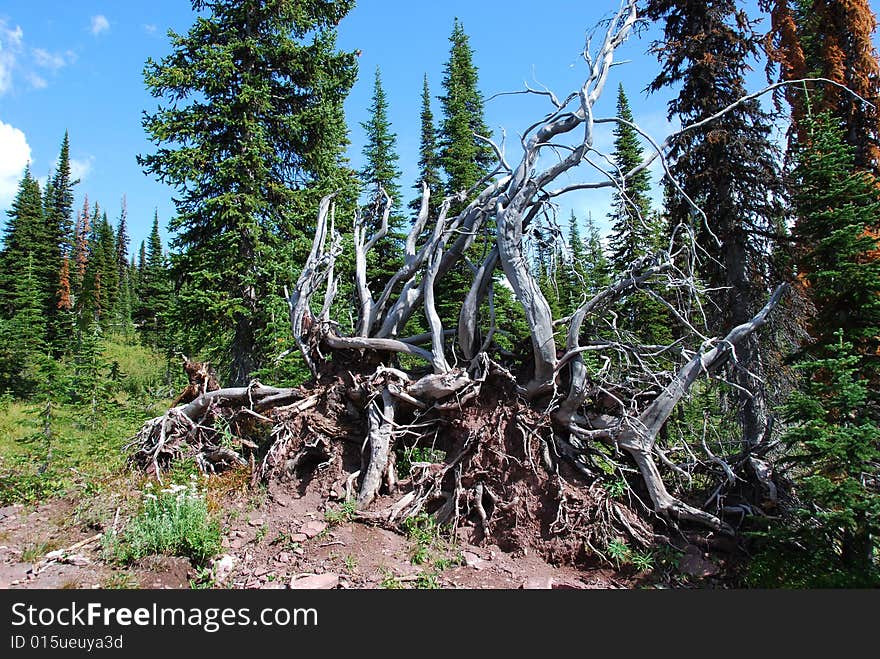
690	399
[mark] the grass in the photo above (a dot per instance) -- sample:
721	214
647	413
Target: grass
34	552
47	451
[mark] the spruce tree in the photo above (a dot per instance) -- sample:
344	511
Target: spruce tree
122	313
634	230
380	172
58	211
729	168
251	135
465	159
26	235
834	40
429	165
154	291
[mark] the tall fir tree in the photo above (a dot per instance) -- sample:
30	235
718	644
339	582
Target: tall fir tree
380	172
465	160
154	301
429	159
252	134
26	234
58	209
635	230
728	167
123	308
464	157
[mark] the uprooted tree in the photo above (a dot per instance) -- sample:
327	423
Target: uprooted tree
515	434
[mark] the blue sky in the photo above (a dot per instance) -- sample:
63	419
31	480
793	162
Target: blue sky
78	66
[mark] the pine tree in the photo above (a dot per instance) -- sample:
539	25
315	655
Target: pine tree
253	133
836	208
123	308
429	165
729	168
25	236
634	230
22	336
379	173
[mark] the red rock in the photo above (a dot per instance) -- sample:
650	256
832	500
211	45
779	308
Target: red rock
313	528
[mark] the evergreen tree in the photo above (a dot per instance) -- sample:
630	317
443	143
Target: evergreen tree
381	173
155	295
429	166
26	236
252	135
729	168
836	208
465	159
22	336
834	40
634	230
58	212
123	308
834	439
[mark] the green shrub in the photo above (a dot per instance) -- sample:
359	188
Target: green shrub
175	521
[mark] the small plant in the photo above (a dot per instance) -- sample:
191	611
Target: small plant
34	552
351	563
175	522
345	513
262	532
619	552
617	489
427	581
285	542
390	581
643	561
120	581
203	579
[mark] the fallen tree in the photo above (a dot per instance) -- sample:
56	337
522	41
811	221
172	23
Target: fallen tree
511	439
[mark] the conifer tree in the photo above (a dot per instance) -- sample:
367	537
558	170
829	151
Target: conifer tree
58	212
379	173
634	230
26	236
124	297
154	291
729	168
429	166
465	159
834	40
251	135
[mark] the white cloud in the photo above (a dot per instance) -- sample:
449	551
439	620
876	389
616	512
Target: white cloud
46	60
36	81
79	169
150	28
15	153
10	47
99	24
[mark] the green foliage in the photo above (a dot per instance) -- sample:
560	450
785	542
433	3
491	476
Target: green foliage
381	172
619	552
345	513
173	521
429	163
251	135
